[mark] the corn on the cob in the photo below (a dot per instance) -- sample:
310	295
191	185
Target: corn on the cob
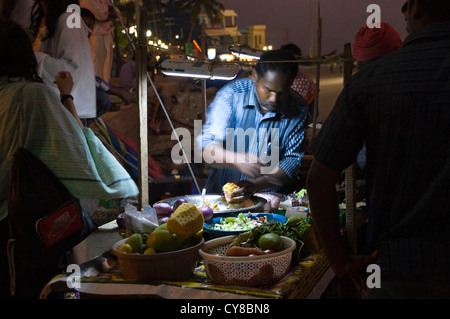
228	189
186	221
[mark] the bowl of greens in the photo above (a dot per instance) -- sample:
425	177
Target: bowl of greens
240	223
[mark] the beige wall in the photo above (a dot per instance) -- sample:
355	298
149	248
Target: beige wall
256	35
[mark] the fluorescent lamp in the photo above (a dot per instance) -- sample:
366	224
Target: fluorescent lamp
246	53
202	70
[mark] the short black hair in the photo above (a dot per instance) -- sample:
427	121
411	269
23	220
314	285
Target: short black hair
438	10
18	60
279	61
405	7
54	9
293	49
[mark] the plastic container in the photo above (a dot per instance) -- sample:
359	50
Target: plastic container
255	271
176	265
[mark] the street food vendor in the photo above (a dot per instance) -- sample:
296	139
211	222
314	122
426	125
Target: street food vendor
255	129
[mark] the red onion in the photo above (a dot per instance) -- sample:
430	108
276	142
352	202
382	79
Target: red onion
163	209
121	221
178	202
207	212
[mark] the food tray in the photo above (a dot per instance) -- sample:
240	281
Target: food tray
224	209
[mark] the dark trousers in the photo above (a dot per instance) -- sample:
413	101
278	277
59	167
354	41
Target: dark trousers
31	275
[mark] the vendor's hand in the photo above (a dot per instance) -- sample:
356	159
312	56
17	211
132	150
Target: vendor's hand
248	164
246	190
64	82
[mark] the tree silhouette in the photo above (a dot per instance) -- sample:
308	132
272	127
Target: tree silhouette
212	8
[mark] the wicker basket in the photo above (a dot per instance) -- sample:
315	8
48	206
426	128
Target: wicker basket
254	271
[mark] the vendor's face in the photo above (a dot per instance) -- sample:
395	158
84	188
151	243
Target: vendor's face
271	89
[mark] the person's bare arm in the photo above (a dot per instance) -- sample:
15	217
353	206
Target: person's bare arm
218	157
64	82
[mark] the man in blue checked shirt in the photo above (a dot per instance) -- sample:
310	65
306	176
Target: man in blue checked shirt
254	133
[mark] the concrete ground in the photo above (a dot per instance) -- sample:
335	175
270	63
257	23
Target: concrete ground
331	84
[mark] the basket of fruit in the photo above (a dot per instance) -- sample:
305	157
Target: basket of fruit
228	262
170	252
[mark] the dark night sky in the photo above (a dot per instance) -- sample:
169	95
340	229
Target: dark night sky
289	19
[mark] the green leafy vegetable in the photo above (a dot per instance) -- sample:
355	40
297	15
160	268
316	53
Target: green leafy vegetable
241	222
294	230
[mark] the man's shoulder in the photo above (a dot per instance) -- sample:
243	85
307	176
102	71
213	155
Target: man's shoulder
38	93
297	100
240	86
37	88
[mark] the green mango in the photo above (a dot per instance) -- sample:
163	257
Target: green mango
135	241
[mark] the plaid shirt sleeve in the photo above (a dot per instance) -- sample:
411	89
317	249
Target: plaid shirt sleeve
219	117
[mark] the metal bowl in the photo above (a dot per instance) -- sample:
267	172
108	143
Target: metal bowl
223	208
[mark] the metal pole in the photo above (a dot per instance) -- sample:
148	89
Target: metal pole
319	54
162	107
141	72
350	173
202	57
311	38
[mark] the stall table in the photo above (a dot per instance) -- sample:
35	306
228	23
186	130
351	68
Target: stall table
101	278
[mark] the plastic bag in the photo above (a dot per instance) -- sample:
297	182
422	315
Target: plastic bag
144	221
273	200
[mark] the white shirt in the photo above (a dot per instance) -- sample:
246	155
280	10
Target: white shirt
69	50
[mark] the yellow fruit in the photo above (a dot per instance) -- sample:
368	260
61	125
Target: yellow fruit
163	240
149	251
270	241
199	233
135	241
186	221
125	248
162	226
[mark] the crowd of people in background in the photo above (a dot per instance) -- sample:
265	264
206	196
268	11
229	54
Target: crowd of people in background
47	96
85	52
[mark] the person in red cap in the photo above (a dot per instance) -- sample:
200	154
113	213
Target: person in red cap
399	107
373	43
370	45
